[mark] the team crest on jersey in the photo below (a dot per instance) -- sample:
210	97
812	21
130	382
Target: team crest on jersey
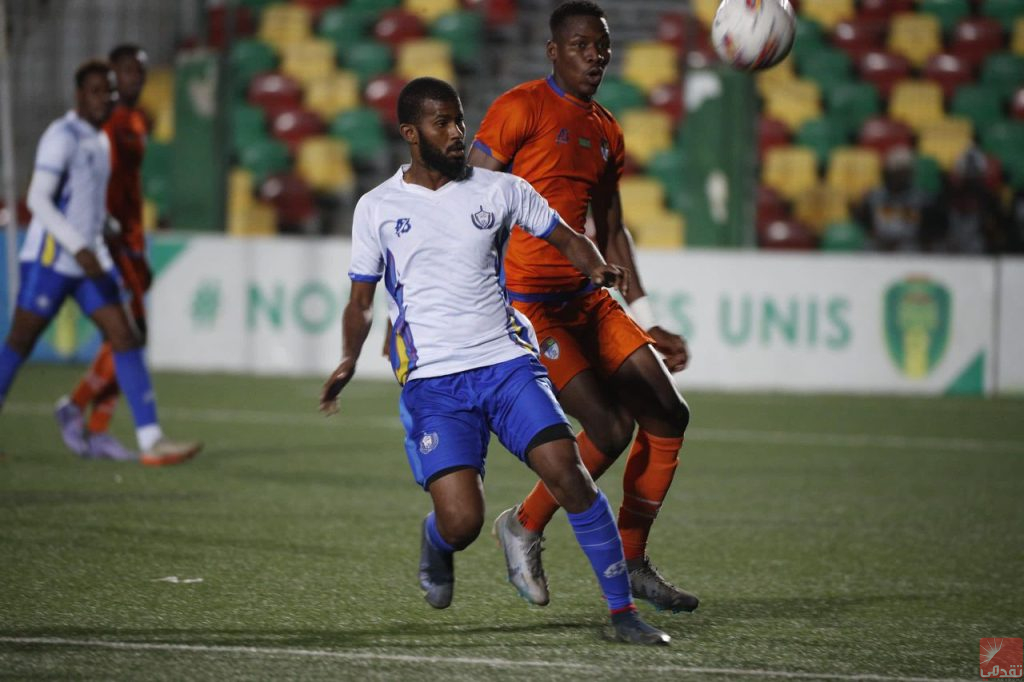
585	142
484	220
429	441
605	149
549	348
563	136
402	225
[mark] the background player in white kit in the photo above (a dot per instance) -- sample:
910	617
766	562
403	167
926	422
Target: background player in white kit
64	255
435	233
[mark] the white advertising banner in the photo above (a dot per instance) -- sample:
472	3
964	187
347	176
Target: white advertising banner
1010	359
755	321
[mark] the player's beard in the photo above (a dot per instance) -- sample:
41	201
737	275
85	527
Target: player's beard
437	159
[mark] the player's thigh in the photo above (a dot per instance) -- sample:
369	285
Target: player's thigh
615	335
590	399
41	293
645	387
134	277
558	330
521	407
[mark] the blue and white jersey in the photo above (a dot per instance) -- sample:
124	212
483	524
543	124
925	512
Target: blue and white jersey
440	254
78	155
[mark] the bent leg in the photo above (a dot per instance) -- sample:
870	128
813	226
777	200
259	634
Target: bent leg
26	328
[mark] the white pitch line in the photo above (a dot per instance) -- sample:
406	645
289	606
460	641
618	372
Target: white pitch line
694	435
454	660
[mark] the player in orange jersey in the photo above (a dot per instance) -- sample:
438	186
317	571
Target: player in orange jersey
552	133
126	128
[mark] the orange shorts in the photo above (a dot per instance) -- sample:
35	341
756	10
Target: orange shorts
590	331
135	276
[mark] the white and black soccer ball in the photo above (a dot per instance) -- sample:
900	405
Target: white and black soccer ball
753	34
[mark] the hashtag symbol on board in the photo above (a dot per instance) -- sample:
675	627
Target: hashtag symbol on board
206	303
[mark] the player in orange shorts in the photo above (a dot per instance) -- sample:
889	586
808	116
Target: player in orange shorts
603	364
126	128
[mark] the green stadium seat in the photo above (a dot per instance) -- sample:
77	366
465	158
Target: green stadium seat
1004	72
850	104
980	103
1004	140
257	5
248	126
367	59
264	158
948	12
249	57
809	38
1005	12
827	67
156	175
822	135
843	236
927	174
362	130
668	168
378	6
463	30
617	95
346	26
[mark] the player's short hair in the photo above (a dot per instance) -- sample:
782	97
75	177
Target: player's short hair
125	50
418	90
97	66
573	8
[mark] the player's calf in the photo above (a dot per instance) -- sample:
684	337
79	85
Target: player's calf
437	567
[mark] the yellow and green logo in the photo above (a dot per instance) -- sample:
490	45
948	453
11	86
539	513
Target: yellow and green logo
917	324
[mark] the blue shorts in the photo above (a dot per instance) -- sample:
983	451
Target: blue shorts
43	290
448	420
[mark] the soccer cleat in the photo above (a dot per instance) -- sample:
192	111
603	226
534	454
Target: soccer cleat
646	583
437	573
522	556
166	452
72	426
628	627
105	446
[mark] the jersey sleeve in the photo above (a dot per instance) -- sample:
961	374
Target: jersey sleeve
530	210
56	147
367	255
506	127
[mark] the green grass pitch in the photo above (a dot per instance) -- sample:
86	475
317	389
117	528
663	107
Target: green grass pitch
829	538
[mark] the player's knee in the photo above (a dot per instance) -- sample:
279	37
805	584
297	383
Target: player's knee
462	531
680	416
613	435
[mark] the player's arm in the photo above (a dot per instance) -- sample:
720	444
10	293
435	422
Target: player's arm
355	326
582	253
42	189
479	159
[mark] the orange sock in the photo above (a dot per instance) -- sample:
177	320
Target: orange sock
103	410
100	373
539	506
649	470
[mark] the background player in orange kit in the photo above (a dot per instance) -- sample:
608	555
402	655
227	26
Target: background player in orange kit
551	133
126	128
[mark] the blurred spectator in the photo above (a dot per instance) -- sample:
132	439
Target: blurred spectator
971	220
894	214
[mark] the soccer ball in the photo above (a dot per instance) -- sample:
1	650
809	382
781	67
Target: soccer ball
753	34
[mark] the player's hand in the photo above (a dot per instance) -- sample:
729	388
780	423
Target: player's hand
332	387
87	260
608	275
672	346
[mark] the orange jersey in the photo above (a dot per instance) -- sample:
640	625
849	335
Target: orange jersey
569	150
126	129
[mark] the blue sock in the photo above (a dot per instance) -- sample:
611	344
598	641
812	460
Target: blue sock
435	537
599	539
10	361
133	378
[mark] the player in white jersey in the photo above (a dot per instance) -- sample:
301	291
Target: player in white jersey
64	256
435	233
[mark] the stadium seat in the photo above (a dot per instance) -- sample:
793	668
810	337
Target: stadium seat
248	125
827	67
854	171
819	207
333	94
425	57
809	38
323	162
498	14
1017	105
284	24
618	95
915	36
949	72
666	231
948	12
828	13
669	99
705	11
374	5
464	32
247	217
916	103
240	186
770	133
882	134
308	60
1004	72
683	32
346	26
1003	139
853	103
882	10
257	5
1017	37
643	199
381	93
769	206
794	102
429	11
243	24
668	167
845	236
927	174
1006	12
249	57
786	235
362	130
649	64
317	7
156	176
367	58
265	158
945	140
292	199
883	70
790	171
292	126
822	135
397	26
979	103
858	36
975	39
767	80
274	92
647	132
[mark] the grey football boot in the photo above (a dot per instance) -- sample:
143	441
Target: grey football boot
630	628
437	572
647	583
522	557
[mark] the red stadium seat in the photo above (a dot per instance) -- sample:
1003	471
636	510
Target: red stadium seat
856	37
292	126
882	134
292	198
881	10
217	25
669	98
274	92
317	7
381	94
497	13
683	32
397	26
976	39
883	70
771	133
770	207
1017	105
949	71
786	235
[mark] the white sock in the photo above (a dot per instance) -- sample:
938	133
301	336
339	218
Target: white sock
148	435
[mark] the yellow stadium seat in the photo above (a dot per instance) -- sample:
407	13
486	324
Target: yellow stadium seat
790	170
915	36
643	199
853	171
821	206
425	57
324	163
916	103
285	24
794	102
240	184
246	216
157	100
946	140
1017	39
782	73
828	13
664	231
430	10
647	132
333	94
308	60
649	64
705	11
